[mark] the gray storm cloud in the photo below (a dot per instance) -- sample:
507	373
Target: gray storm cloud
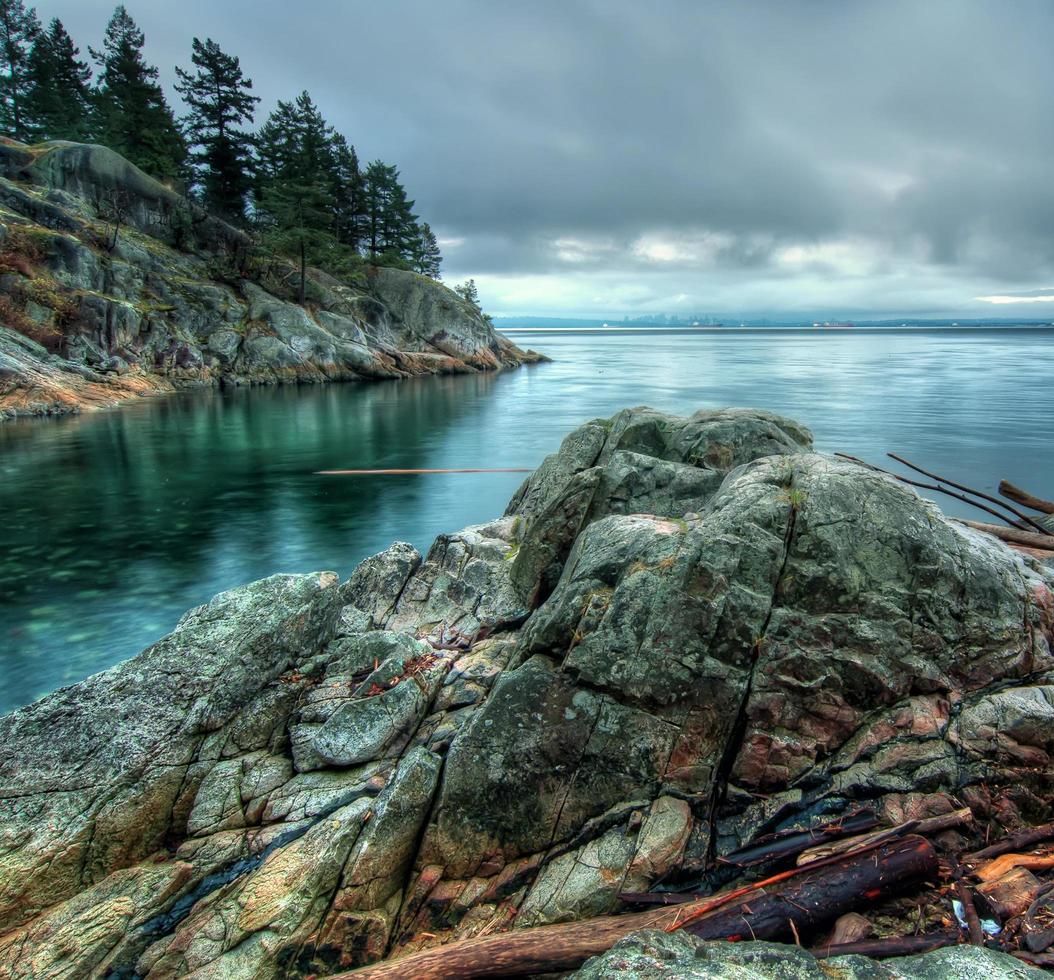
611	157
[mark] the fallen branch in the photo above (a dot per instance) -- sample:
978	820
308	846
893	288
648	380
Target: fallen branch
1014	842
1044	542
1007	489
893	946
966	900
819	893
787	845
976	493
928	486
929	825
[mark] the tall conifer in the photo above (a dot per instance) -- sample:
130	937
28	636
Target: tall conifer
57	103
219	98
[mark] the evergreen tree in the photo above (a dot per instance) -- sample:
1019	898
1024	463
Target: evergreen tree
294	179
427	257
391	225
219	97
348	194
58	99
19	28
132	116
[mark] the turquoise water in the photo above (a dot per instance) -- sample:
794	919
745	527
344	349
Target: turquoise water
114	523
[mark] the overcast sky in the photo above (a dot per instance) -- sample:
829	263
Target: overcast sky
613	156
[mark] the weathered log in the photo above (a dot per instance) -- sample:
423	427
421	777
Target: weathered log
977	493
1010	895
893	946
999	866
1008	490
814	896
787	845
1014	842
1044	542
928	825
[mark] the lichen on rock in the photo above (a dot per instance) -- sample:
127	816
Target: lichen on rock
719	635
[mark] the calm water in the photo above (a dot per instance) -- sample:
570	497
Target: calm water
116	522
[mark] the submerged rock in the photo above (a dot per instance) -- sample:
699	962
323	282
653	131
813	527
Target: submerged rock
94	309
717	634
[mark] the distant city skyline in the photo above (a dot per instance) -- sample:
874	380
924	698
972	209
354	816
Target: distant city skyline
574	158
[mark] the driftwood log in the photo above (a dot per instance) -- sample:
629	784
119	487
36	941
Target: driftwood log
1013	842
894	946
1008	490
806	898
1044	542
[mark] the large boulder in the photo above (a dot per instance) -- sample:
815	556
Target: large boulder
307	776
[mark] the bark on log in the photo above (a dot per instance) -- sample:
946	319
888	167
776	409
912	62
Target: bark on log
1019	496
1044	542
812	897
894	946
1015	842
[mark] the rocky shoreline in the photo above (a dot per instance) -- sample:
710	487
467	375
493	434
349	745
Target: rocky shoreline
684	633
112	286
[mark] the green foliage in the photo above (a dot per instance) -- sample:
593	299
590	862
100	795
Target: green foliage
57	103
468	292
427	257
219	99
19	28
131	114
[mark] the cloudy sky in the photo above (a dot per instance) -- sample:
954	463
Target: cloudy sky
616	157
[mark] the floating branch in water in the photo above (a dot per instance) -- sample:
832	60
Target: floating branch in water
510	469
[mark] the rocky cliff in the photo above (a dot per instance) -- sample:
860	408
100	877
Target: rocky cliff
111	285
683	634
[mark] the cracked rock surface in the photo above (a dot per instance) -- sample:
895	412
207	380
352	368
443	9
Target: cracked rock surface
684	633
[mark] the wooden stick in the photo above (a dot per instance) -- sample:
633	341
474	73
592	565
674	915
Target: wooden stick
1007	489
512	469
930	825
1010	534
894	946
966	899
787	845
1014	842
976	493
927	486
547	949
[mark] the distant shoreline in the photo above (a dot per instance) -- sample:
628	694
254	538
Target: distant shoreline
790	328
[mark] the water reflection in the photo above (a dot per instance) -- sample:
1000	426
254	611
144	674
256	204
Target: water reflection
114	523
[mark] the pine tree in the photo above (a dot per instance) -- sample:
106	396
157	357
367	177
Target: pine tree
19	28
295	176
132	116
427	257
58	99
391	225
219	97
348	194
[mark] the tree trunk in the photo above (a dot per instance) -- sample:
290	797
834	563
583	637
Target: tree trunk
810	898
303	272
